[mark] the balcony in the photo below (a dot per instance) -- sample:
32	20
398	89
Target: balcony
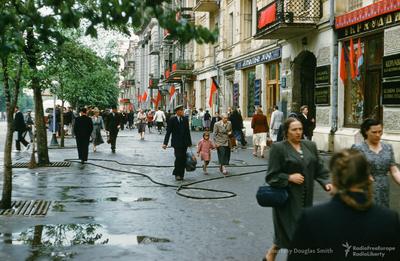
179	70
154	48
153	83
284	19
206	6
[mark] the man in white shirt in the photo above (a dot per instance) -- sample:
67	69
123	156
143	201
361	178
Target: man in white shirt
159	118
276	122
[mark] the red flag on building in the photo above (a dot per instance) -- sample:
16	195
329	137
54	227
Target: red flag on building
158	99
144	97
171	93
213	89
351	60
343	72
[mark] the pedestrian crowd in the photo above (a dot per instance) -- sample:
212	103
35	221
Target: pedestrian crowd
357	215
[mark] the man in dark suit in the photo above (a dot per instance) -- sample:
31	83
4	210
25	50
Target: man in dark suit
178	126
307	121
20	127
113	124
83	129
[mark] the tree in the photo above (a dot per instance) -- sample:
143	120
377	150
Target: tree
31	25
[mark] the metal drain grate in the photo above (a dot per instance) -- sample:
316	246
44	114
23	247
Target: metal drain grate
52	164
27	208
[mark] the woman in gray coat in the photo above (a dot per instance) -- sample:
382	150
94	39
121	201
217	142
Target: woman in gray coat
293	164
222	130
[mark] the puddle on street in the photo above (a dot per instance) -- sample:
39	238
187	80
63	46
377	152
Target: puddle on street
112	199
67	235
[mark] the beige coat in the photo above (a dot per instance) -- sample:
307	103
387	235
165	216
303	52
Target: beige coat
221	133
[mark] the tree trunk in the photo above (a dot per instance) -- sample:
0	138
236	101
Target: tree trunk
7	182
62	116
41	134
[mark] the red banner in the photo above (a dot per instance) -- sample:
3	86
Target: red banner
267	16
370	11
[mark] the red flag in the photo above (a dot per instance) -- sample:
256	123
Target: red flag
351	58
171	92
343	72
139	97
158	99
213	89
144	97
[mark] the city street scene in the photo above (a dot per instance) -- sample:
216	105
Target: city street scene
200	130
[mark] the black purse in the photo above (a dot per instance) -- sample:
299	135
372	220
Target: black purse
268	196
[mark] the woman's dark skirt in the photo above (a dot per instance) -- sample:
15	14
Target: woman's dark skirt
224	155
141	127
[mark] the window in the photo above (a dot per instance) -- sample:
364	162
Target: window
362	93
231	30
250	75
248	17
354	4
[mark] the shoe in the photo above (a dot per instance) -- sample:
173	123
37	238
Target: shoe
94	149
178	178
113	151
255	154
262	156
205	173
224	171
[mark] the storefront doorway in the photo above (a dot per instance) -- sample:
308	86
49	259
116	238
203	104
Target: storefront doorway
304	82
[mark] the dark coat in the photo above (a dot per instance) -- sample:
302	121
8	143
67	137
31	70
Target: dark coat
83	127
308	125
335	227
112	122
19	122
180	133
237	121
283	161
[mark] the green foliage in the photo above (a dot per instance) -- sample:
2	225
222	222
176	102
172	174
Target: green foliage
84	78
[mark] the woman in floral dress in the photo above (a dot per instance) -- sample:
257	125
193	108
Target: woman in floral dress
381	158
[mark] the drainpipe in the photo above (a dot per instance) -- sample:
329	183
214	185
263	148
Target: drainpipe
334	119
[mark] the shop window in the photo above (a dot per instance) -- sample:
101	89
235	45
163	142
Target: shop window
250	77
363	90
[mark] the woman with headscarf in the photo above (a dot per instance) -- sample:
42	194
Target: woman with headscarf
222	131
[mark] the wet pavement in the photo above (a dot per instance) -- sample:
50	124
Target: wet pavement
111	211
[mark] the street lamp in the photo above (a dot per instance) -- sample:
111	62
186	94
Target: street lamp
53	141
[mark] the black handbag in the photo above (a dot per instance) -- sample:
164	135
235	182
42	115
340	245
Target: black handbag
190	161
268	196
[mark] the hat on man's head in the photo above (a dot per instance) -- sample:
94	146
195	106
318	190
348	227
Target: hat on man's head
114	107
179	107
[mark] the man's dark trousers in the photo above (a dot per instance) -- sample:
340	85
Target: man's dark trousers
113	138
20	139
83	148
180	161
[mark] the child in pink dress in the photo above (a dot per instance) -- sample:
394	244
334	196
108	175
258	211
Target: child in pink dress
204	148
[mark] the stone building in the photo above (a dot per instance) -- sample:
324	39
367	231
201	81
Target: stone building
341	58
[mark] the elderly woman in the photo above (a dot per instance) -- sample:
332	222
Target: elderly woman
349	219
294	164
381	157
222	131
98	125
259	125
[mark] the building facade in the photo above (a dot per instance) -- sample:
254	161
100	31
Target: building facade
340	58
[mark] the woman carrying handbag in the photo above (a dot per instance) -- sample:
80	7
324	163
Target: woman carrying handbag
294	164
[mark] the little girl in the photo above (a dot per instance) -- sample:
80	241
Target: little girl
204	150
